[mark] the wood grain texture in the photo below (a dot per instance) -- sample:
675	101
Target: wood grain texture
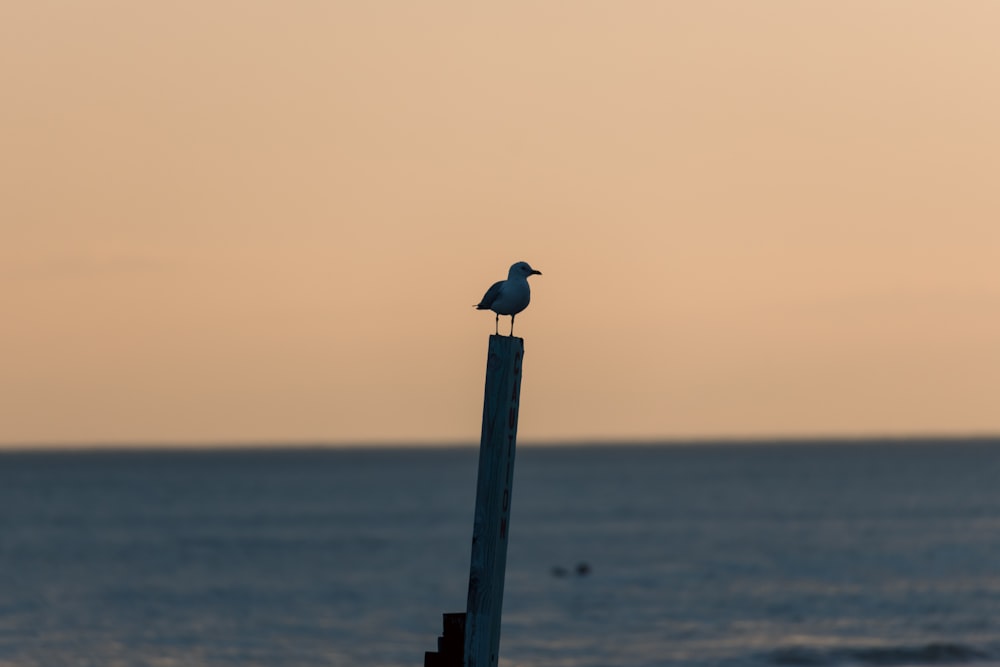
491	527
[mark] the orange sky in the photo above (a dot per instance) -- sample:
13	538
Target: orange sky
259	221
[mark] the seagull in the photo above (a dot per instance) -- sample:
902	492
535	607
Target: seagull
511	296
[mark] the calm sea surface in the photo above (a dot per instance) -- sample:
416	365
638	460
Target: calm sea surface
735	555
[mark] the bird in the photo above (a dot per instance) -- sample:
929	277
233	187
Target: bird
511	296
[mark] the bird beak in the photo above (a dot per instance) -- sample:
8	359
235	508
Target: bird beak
535	273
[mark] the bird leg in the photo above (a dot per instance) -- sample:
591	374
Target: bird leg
511	325
498	324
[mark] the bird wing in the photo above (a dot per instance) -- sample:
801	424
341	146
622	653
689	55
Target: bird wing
491	295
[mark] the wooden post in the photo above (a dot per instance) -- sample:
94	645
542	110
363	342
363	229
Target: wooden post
491	526
472	639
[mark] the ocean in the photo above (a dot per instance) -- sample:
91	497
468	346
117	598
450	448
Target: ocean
734	555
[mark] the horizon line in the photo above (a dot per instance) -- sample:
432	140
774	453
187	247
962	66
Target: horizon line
597	441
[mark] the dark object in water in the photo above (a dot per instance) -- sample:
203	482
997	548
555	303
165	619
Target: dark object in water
451	644
582	569
875	656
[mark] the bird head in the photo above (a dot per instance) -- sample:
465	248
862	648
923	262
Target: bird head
522	270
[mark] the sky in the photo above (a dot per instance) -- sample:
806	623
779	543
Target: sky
263	222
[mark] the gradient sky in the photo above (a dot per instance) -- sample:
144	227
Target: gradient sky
268	221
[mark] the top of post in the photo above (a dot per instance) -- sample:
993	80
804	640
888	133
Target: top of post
511	338
505	345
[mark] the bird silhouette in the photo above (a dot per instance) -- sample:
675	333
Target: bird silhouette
511	296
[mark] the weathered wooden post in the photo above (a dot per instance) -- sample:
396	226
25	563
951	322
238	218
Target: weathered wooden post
491	525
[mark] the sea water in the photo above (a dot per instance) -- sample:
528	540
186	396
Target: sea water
752	554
